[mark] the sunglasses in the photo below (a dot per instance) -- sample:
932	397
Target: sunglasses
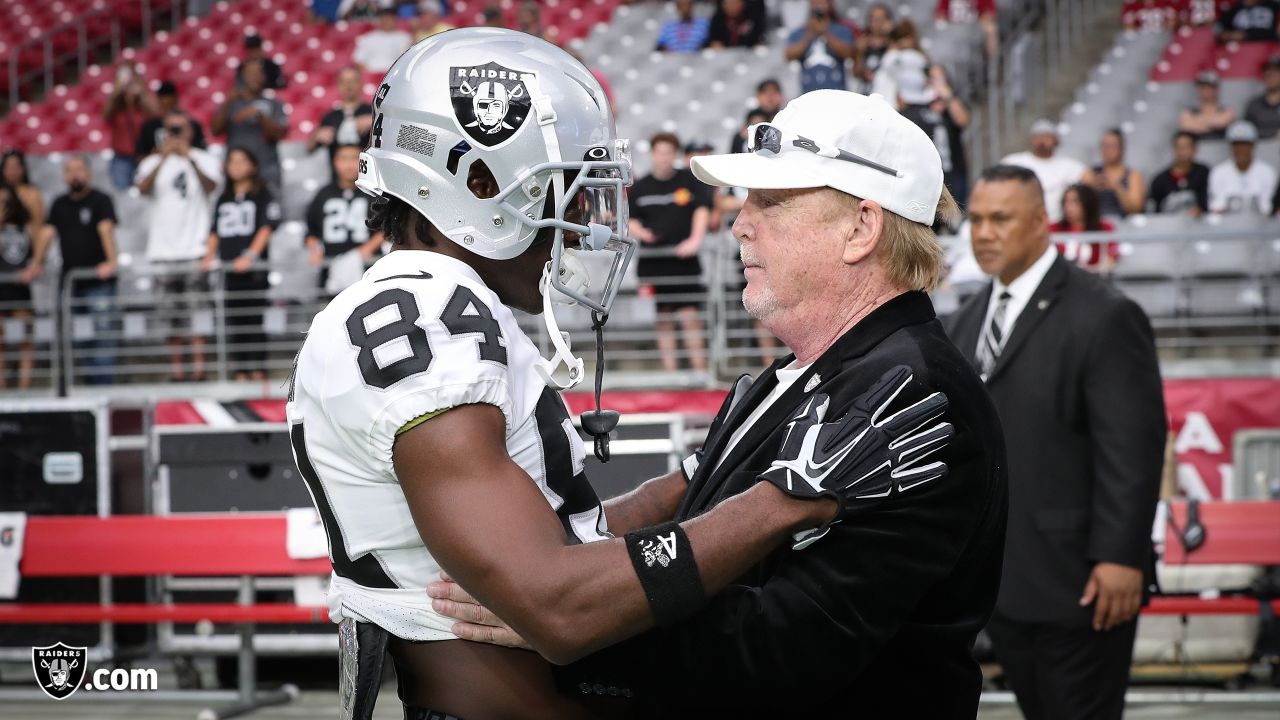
770	138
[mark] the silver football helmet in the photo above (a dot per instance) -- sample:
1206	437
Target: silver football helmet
541	124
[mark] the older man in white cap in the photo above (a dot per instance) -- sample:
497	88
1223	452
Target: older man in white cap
873	616
1055	172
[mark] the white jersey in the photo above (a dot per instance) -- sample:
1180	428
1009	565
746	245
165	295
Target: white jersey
420	332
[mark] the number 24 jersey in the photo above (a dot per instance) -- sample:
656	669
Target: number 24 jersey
419	333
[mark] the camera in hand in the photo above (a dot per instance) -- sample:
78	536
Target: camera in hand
173	130
819	14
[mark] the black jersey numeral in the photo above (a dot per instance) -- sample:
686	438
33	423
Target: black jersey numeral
403	327
458	321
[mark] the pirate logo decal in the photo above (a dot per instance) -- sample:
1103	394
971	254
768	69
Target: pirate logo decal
59	669
490	102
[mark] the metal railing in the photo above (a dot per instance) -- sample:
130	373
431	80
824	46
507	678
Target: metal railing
1210	292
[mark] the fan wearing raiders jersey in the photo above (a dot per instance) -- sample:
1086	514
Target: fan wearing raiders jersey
337	232
428	428
244	217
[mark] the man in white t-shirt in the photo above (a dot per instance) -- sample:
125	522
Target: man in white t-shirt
1242	184
180	180
377	49
1055	172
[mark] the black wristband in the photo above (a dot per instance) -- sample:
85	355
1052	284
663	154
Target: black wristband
663	560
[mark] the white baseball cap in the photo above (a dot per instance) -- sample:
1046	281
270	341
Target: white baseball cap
1242	131
854	143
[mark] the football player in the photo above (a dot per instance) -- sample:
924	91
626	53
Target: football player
429	429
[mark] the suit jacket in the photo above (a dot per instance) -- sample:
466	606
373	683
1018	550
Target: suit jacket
850	625
1078	390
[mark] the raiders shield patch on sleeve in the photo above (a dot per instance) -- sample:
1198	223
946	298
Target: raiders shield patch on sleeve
490	102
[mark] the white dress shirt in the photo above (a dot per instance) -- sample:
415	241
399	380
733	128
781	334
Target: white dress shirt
1020	292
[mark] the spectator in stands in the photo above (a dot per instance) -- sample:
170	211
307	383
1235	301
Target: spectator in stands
769	97
1248	21
669	214
967	12
361	9
378	48
84	220
903	60
180	180
1149	15
429	21
16	274
737	23
13	171
684	33
336	229
152	134
493	16
253	52
529	19
1242	184
1081	213
1200	13
1209	119
1264	110
128	107
872	44
1121	189
739	142
1183	187
251	120
1054	171
821	46
350	120
244	217
325	11
943	117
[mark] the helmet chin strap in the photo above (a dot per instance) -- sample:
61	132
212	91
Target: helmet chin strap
573	274
563	354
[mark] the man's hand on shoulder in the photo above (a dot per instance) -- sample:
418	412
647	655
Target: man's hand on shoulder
868	454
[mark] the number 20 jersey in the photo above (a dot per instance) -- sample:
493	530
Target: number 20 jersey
419	333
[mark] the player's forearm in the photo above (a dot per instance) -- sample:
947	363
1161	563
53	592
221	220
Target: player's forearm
590	597
655	501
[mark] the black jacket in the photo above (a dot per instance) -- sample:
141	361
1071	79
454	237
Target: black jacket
876	619
1078	390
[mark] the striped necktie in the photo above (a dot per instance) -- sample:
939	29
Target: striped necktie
992	341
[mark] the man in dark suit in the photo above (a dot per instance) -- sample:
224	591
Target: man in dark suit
874	617
1071	366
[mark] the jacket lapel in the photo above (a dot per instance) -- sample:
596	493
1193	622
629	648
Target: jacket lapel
1042	301
968	325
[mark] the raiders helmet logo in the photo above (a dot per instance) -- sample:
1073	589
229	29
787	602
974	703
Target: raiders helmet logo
490	102
59	669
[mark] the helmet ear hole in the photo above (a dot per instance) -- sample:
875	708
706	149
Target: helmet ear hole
481	182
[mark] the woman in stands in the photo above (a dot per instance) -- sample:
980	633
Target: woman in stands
17	228
1121	189
243	219
13	168
872	44
1080	213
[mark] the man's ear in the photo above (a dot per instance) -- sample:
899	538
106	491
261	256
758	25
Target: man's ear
863	232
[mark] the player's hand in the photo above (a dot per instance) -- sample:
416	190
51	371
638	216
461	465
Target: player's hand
867	454
475	621
1118	592
30	273
687	248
